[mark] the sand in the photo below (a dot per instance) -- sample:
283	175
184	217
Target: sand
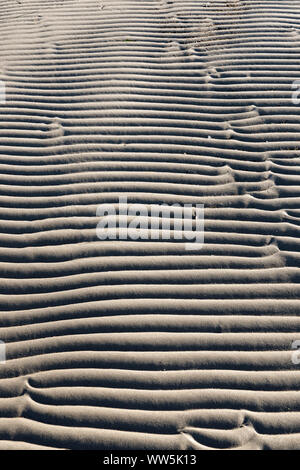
123	344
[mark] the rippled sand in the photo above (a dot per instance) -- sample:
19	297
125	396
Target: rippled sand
143	344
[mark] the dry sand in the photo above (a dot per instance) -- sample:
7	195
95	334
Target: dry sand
143	345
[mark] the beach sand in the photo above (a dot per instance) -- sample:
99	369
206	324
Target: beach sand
143	344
